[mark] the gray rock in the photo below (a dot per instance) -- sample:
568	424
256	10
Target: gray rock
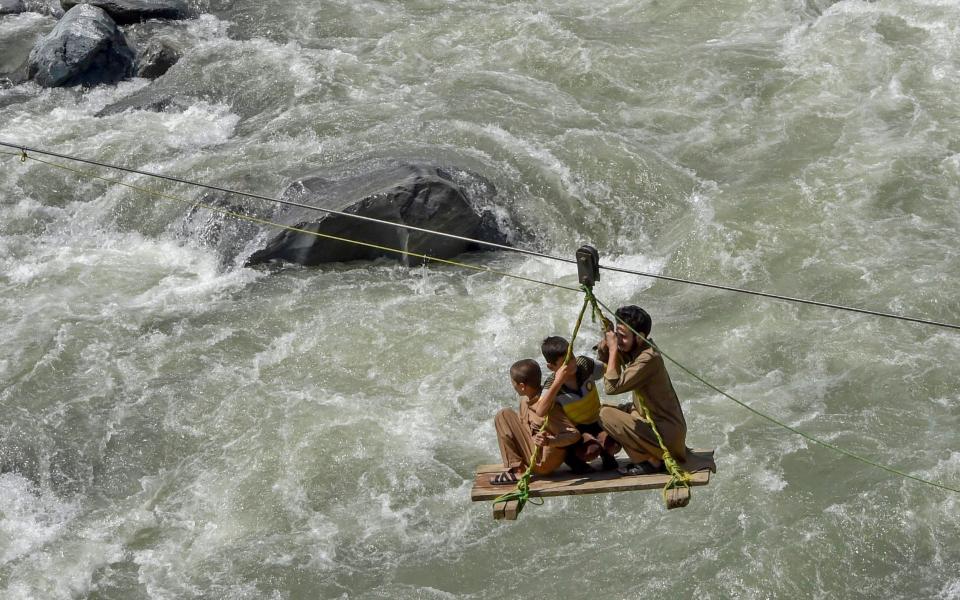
226	235
125	12
85	48
415	194
156	59
146	100
11	7
18	76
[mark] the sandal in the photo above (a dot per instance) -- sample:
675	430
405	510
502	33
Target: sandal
505	478
644	468
609	462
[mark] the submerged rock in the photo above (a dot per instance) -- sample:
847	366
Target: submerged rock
125	12
156	59
149	101
17	77
414	194
12	7
85	48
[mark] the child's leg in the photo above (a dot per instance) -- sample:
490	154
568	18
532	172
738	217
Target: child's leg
515	443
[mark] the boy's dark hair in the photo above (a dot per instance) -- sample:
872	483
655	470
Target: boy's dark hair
526	371
554	348
635	317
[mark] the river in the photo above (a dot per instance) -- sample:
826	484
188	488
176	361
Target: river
173	426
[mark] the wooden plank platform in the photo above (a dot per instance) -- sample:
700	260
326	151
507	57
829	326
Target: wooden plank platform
564	483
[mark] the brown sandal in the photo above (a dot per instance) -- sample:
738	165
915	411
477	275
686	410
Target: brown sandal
505	478
644	468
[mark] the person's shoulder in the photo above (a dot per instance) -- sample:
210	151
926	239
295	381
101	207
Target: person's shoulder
650	354
647	354
651	349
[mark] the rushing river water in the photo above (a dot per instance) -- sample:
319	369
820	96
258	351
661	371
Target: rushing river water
175	427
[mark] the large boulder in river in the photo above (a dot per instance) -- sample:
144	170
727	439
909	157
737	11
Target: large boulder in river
85	48
414	194
125	12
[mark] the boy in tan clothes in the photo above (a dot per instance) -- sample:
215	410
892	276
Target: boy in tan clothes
519	433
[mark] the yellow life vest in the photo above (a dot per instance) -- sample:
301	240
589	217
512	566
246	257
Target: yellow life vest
582	410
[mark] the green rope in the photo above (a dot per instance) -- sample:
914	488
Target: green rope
794	430
679	477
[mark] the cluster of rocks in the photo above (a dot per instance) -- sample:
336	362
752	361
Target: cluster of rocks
87	46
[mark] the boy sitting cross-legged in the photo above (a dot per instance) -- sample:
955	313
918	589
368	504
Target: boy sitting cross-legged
580	400
519	433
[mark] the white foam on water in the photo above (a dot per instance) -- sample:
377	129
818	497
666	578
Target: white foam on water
193	281
29	517
208	27
51	560
770	481
525	149
25	21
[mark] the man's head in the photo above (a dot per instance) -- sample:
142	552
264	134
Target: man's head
638	320
554	349
525	376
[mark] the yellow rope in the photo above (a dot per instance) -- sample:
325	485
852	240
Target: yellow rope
678	476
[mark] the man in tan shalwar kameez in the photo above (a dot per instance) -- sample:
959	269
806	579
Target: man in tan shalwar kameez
634	366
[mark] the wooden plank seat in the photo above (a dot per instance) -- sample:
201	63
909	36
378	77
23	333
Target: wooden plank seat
563	482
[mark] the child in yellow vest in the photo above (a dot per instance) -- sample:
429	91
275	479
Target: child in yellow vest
580	400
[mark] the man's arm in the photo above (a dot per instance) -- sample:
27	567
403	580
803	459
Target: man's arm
633	374
613	355
603	354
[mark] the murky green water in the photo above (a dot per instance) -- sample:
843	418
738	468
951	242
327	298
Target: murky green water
171	427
